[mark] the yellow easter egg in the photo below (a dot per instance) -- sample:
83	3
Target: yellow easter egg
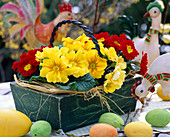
138	129
161	95
13	123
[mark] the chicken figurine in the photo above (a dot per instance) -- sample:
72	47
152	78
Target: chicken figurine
27	18
158	72
150	43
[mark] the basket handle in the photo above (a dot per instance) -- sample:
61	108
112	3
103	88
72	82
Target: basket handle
89	33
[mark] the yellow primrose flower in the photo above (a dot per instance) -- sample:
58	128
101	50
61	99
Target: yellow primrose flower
77	63
120	62
72	44
47	52
64	50
77	45
82	38
96	64
110	53
67	41
81	43
88	45
114	80
101	40
109	87
39	56
55	68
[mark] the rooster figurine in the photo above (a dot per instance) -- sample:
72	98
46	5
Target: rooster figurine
158	72
27	18
149	44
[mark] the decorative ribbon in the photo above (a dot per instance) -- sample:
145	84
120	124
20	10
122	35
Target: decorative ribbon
151	31
154	79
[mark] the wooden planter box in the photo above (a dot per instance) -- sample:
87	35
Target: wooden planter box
68	112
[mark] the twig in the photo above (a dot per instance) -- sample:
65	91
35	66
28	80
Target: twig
136	112
86	12
101	12
166	11
117	12
127	117
95	18
168	133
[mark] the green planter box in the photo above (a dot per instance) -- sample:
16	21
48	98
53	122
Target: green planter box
69	112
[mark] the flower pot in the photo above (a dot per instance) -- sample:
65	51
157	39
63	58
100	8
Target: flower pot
71	111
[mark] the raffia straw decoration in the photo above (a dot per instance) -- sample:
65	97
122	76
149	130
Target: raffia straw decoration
48	88
42	88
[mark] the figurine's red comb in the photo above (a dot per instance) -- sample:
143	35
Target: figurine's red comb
65	7
133	89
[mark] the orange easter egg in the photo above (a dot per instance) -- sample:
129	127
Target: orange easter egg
103	130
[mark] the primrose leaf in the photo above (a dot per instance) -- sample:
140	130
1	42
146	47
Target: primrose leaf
85	83
37	78
69	85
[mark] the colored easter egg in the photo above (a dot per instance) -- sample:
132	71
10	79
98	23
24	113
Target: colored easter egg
138	129
158	117
40	128
13	123
102	130
112	119
161	95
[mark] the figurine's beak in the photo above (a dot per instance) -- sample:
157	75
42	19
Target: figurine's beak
142	100
147	14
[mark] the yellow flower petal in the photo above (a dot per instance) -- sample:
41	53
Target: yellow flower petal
50	76
120	62
63	76
44	71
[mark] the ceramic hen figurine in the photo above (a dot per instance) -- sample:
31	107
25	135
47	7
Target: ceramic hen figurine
158	72
28	21
149	44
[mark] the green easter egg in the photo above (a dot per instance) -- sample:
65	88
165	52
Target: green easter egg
40	128
112	119
158	117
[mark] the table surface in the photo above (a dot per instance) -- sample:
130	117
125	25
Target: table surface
6	101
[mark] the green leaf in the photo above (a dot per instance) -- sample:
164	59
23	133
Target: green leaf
40	67
37	78
85	83
69	85
22	77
